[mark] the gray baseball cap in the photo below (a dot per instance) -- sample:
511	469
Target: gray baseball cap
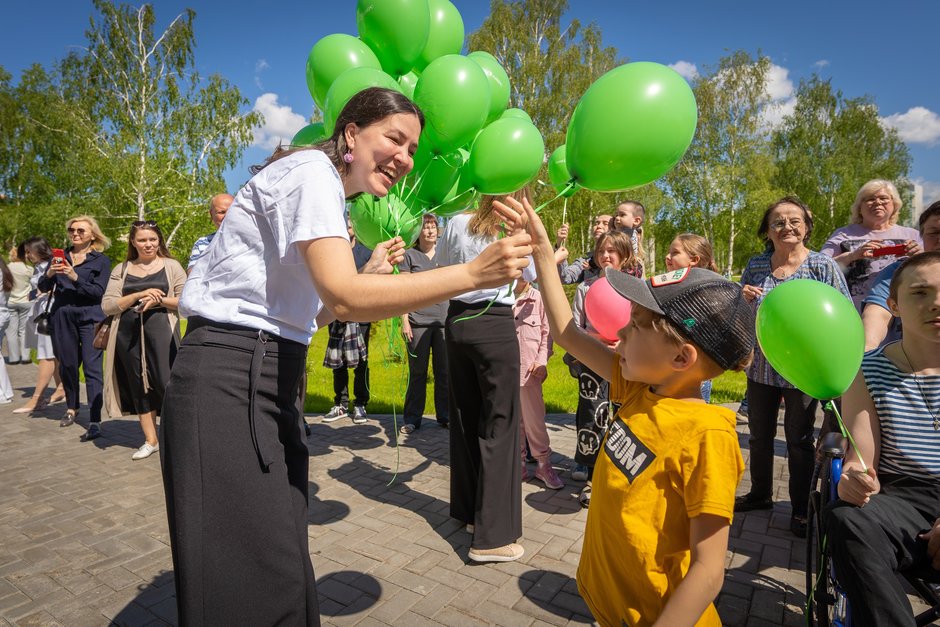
703	306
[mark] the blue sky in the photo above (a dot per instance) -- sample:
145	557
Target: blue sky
865	47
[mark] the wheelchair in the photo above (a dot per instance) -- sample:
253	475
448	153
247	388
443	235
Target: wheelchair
826	604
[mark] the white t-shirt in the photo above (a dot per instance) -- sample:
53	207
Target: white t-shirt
253	274
457	245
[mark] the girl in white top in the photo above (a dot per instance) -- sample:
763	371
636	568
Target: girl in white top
234	457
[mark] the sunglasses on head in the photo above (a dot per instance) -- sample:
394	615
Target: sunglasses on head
143	223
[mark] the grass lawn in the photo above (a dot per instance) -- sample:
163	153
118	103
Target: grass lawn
388	376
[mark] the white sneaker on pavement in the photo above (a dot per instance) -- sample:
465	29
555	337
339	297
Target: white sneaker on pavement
145	451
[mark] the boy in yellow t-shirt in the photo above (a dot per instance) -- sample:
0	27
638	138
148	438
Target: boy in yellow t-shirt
663	490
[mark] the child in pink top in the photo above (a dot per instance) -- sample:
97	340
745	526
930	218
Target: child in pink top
535	347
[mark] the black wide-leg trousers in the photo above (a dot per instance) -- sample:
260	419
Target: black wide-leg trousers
235	465
483	370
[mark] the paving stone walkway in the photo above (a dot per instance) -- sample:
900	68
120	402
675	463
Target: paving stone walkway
83	535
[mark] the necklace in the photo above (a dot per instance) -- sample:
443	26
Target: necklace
932	413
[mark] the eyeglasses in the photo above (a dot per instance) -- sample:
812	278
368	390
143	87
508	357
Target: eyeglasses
144	223
879	200
76	231
793	223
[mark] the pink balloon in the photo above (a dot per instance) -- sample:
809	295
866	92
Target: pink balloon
606	310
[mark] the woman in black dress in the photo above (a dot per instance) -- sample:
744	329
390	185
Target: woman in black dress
142	295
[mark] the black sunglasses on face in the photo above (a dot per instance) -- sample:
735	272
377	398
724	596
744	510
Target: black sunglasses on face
76	231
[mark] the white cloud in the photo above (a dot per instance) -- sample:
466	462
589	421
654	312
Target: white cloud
260	66
280	122
931	190
821	63
918	125
779	85
687	70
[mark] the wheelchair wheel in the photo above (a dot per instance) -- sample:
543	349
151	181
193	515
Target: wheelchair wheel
825	604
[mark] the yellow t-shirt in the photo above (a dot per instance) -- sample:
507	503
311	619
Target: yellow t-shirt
663	462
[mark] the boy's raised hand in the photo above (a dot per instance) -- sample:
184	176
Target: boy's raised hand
519	216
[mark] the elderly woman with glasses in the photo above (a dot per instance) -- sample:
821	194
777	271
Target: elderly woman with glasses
785	228
79	277
874	240
142	295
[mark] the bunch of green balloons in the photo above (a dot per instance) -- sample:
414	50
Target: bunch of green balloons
471	143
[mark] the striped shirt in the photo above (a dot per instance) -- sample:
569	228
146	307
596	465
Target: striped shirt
910	445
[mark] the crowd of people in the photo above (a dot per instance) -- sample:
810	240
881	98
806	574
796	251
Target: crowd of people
483	303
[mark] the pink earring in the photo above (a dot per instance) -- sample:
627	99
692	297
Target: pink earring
348	157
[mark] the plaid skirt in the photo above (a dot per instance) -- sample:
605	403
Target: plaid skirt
346	346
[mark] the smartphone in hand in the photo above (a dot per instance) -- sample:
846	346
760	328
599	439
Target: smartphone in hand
884	251
58	256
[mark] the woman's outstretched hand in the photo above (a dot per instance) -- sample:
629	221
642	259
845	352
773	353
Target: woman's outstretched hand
386	256
501	262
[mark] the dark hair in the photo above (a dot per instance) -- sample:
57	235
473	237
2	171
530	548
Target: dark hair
918	260
7	280
367	107
929	212
39	247
764	228
145	225
21	252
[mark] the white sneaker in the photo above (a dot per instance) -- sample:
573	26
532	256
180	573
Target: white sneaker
145	451
335	414
359	415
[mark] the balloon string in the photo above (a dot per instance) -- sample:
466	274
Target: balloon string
846	434
564	212
469	190
417	183
564	191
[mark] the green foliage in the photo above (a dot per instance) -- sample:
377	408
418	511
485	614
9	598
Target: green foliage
828	148
725	175
549	69
124	129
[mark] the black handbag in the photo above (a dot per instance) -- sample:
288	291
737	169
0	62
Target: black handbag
42	319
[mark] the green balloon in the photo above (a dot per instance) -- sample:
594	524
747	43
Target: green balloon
506	155
407	83
630	127
375	220
396	30
812	335
445	35
309	135
330	57
499	83
558	174
437	180
519	114
348	85
454	95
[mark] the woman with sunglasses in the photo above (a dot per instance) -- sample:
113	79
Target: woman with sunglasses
785	228
79	279
142	295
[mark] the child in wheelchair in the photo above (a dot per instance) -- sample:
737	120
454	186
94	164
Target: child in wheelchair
887	517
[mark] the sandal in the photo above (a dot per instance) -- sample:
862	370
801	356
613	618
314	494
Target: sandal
585	497
57	396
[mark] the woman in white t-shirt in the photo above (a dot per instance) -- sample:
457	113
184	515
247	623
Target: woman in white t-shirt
232	445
